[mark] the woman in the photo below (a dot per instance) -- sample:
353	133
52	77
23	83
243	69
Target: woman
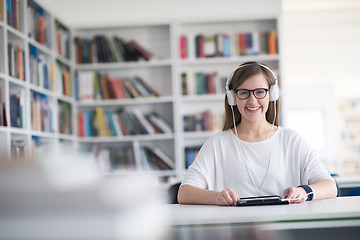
253	155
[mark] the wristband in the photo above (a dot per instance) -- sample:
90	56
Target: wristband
309	191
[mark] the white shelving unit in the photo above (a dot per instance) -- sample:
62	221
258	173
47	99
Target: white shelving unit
19	36
159	72
349	159
195	103
163	73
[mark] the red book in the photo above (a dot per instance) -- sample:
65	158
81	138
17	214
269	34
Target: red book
183	47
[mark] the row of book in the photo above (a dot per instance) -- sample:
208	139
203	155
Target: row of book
96	86
41	113
190	154
120	122
103	49
3	120
228	45
65	119
62	36
63	80
204	83
39	24
13	12
40	69
16	59
203	121
17	105
112	158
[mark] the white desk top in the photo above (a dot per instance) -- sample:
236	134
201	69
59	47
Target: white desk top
326	212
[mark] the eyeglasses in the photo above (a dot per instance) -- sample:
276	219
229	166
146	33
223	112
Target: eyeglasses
259	93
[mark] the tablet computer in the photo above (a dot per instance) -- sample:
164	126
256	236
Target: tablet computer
263	200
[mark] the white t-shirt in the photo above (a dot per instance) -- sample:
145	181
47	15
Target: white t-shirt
220	164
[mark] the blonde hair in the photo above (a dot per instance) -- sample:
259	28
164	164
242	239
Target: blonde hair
248	70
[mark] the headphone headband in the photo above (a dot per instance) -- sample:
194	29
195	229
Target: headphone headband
274	89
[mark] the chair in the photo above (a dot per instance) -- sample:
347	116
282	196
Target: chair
172	193
354	192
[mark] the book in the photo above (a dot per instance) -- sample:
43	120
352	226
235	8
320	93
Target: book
158	159
183	46
147	55
146	125
160	122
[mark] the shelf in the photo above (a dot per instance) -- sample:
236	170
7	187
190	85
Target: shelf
204	97
197	135
18	130
17	81
41	47
116	66
123	102
223	60
16	32
43	134
127	138
41	90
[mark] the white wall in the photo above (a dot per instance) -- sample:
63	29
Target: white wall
93	12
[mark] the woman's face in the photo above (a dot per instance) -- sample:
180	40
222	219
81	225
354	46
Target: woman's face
253	109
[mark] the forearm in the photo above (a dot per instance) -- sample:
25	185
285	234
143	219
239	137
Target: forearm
324	189
193	195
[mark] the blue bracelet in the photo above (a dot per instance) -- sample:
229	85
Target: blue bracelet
309	191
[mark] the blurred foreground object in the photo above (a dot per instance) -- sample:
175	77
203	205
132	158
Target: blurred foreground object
61	196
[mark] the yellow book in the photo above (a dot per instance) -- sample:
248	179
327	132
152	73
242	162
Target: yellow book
52	77
101	121
67	83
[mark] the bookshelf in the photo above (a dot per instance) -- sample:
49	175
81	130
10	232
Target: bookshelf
106	80
208	53
76	87
31	112
350	136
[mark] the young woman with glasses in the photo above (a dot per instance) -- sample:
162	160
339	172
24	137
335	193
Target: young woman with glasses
253	155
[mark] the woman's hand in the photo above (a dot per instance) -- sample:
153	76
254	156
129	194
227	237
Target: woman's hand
227	197
295	195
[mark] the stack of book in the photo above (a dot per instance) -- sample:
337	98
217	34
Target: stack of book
153	158
120	122
13	12
39	24
226	45
41	113
3	120
65	125
103	49
62	40
40	67
114	158
204	121
190	154
63	81
16	58
97	86
17	105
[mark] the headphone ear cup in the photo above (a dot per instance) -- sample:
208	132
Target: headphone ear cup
231	97
274	92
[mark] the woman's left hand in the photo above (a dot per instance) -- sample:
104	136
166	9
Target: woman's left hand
295	195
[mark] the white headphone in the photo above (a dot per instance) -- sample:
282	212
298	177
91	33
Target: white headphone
230	93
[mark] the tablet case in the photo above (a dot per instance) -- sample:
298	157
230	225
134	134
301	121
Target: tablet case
263	200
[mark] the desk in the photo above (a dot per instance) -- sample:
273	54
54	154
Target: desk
330	215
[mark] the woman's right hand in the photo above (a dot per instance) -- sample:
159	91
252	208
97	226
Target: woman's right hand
227	197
